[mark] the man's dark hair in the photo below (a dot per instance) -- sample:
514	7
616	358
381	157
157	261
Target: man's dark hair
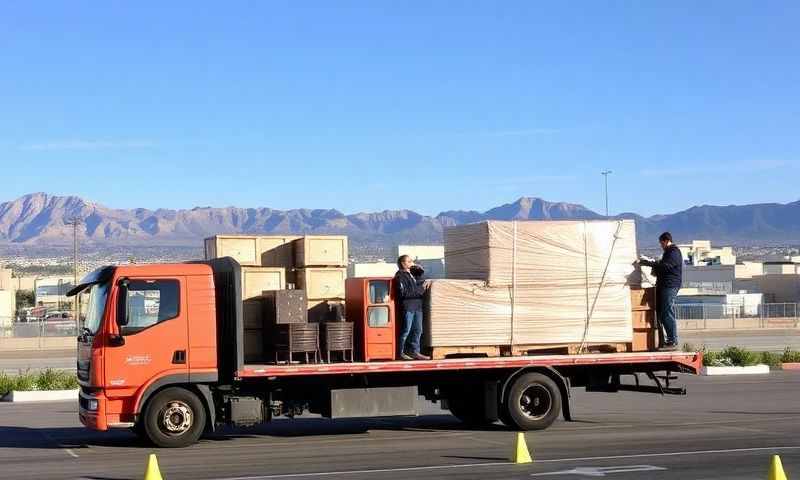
400	260
665	237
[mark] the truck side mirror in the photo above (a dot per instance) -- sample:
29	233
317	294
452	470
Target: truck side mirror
122	302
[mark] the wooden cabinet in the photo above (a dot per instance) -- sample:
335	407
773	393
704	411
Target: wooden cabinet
322	283
321	251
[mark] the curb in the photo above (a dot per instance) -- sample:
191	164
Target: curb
16	396
790	366
751	370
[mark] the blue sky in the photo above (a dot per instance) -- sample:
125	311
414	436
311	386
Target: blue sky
431	106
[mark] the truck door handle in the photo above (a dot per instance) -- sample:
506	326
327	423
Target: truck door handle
179	356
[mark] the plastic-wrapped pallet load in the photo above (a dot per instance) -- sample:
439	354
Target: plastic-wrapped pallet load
535	283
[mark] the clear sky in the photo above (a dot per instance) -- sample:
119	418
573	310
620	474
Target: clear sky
427	105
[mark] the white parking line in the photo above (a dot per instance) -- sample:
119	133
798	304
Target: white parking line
496	464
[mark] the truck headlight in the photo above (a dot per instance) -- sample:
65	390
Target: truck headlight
91	405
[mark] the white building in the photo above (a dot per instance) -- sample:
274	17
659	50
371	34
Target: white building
429	257
700	252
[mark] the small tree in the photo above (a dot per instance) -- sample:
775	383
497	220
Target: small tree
25	299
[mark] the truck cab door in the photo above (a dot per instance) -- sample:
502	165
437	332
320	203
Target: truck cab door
152	337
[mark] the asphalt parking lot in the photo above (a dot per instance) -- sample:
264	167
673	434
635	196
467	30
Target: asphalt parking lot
726	427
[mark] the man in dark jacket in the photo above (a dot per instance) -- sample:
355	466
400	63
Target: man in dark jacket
410	288
668	272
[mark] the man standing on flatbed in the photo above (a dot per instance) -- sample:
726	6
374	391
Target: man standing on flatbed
669	273
410	290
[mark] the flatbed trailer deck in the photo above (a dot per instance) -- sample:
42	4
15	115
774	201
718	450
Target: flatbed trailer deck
674	361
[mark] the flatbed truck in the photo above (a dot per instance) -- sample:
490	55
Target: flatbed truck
161	352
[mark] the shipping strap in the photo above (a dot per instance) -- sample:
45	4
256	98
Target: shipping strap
590	310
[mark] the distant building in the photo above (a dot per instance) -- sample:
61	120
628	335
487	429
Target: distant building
52	291
730	303
777	288
375	269
429	257
716	279
700	252
749	269
780	268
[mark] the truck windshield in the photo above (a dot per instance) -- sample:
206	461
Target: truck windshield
95	307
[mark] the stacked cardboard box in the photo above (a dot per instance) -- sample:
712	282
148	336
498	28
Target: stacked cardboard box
534	283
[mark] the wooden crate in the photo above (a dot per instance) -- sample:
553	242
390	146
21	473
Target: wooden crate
643	318
257	279
564	349
243	248
643	298
277	251
321	251
322	283
644	340
253	250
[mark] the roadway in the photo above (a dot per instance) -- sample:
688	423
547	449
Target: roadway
726	428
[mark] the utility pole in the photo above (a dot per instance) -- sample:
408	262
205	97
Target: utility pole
605	174
75	222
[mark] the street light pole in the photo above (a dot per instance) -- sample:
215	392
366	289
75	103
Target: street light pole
75	222
605	174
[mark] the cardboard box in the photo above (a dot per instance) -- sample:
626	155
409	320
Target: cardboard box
321	251
257	279
322	283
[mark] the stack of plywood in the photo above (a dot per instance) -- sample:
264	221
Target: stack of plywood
534	283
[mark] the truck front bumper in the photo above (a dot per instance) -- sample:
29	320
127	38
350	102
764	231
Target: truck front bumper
92	410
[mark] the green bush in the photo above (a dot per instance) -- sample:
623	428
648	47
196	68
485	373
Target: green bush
790	356
769	358
740	357
46	380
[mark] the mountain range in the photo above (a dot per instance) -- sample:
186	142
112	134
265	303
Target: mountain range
43	219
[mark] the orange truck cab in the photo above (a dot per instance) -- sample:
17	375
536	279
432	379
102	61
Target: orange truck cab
160	351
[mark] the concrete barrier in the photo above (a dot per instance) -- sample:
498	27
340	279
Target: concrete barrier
751	370
10	344
17	396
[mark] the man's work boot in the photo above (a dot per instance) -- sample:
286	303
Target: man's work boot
419	356
668	347
406	356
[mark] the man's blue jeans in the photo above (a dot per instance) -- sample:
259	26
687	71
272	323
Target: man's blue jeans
665	297
411	331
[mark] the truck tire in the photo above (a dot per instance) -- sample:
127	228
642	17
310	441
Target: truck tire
533	402
174	418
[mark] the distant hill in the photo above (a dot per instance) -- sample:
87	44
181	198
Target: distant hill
42	219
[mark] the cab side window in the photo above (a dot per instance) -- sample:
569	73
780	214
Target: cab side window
150	302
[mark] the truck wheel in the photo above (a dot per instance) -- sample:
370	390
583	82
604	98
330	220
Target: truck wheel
174	417
533	402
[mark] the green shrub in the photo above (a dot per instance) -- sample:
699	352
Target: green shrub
740	357
790	356
46	380
769	358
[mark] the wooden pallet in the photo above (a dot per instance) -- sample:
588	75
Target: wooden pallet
565	349
439	353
